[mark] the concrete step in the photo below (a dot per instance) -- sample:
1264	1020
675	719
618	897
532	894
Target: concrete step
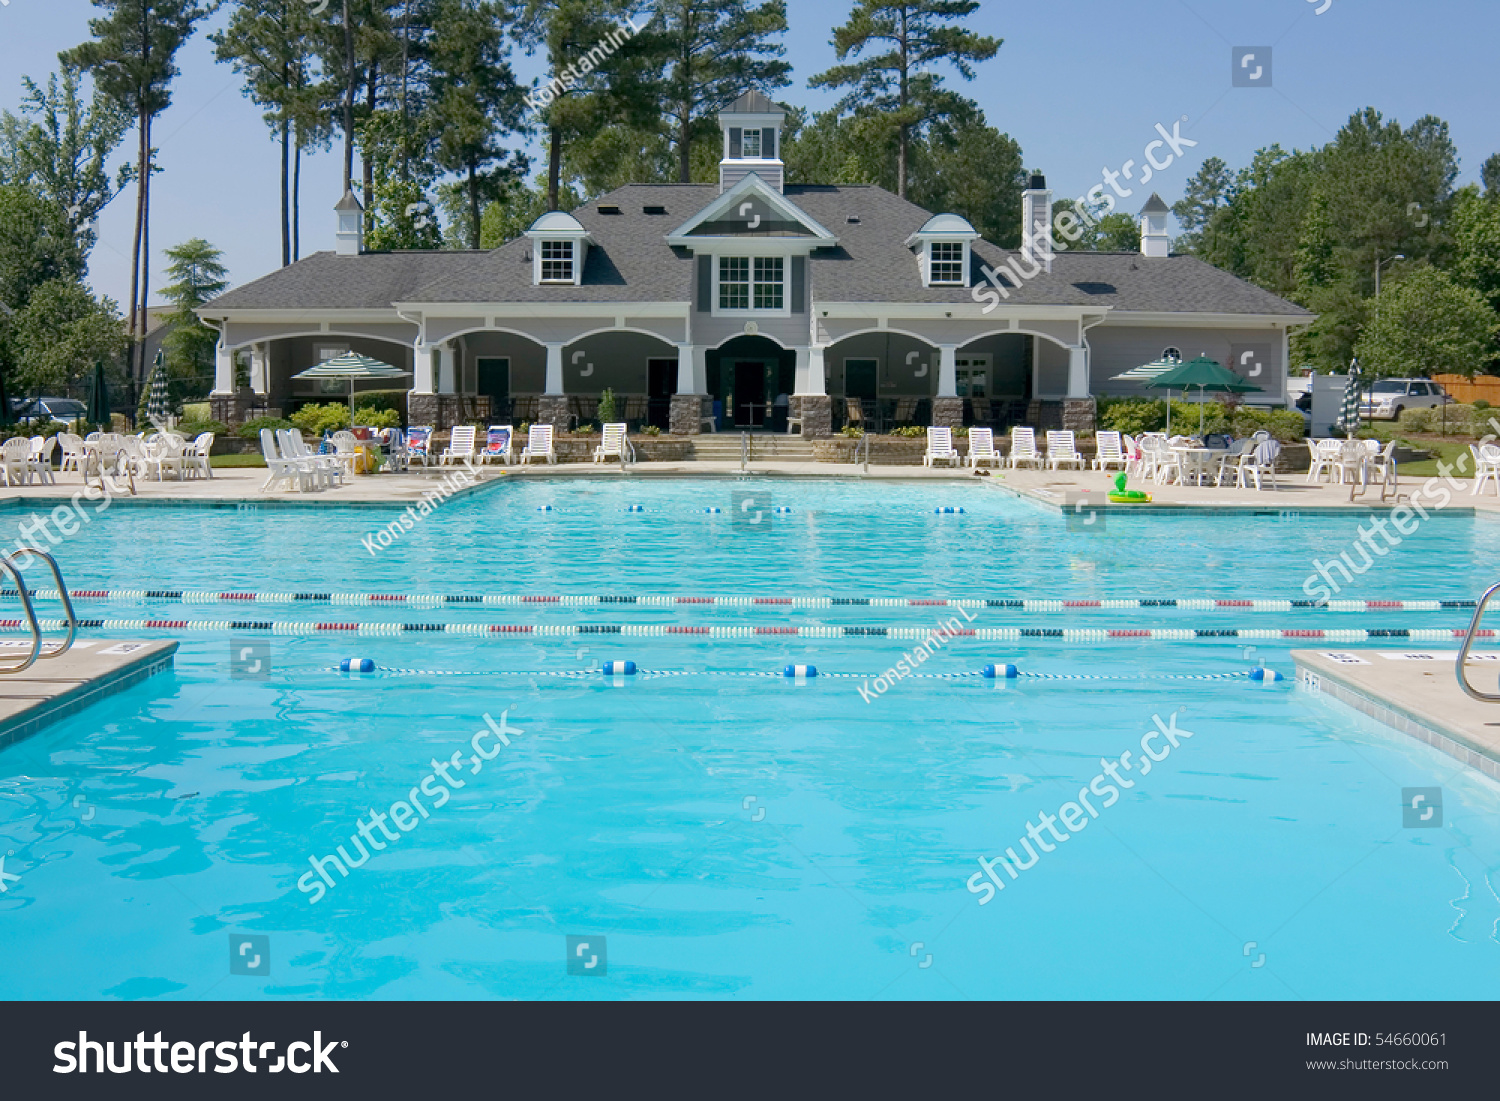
726	447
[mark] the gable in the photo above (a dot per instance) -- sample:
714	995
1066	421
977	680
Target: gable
751	209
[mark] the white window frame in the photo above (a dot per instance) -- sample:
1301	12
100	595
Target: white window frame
965	365
745	154
542	261
718	310
963	262
926	261
1171	352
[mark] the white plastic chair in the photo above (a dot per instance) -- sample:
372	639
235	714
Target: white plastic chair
72	451
940	447
982	448
460	445
196	458
281	468
1110	452
1061	449
15	457
1023	448
41	458
1486	466
346	452
538	444
1258	461
614	445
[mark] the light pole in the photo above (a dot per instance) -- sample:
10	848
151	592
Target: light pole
1379	263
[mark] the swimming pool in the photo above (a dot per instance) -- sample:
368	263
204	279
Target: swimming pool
708	827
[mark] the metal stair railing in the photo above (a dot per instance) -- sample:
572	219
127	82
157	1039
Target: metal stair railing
1463	653
7	563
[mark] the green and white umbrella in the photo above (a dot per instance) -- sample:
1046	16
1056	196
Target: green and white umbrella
1348	420
158	400
1207	375
352	366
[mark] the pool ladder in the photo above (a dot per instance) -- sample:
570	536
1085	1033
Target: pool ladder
1463	653
7	563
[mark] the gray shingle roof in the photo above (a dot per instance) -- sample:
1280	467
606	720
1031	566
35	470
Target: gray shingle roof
632	262
752	103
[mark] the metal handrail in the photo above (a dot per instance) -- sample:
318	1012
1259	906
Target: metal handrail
62	593
864	444
36	628
1463	653
744	450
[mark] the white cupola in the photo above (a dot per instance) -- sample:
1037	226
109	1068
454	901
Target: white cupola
1154	239
351	233
752	141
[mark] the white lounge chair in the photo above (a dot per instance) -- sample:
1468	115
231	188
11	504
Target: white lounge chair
281	469
322	470
614	445
982	447
940	447
500	445
1023	448
538	444
1110	451
1061	449
460	445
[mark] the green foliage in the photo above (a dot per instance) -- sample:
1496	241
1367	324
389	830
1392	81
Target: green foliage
1133	416
198	277
1475	226
607	411
909	431
369	417
250	430
1455	420
651	430
61	334
853	432
1429	324
1206	192
314	420
512	216
193	426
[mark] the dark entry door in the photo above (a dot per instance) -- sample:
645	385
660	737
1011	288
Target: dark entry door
494	382
661	384
749	393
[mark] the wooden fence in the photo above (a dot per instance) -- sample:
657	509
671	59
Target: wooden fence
1466	391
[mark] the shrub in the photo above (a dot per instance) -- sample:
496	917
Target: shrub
191	428
1416	420
370	417
1480	403
1136	415
909	430
394	400
607	409
250	430
651	430
199	412
313	419
852	432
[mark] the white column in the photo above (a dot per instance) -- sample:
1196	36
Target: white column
555	369
687	383
260	355
447	377
421	382
947	371
223	369
811	375
1078	372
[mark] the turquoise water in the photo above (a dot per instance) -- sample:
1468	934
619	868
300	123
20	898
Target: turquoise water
733	836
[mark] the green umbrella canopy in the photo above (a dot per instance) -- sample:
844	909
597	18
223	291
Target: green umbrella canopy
1205	374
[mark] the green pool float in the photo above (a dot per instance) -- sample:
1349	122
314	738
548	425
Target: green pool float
1123	496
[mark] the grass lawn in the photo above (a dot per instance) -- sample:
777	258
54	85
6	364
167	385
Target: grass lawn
1447	450
249	459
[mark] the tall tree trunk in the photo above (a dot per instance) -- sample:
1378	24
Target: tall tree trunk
371	89
473	208
286	198
684	145
554	164
348	99
131	351
146	247
297	199
902	136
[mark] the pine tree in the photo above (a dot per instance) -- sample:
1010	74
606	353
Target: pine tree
899	84
198	276
132	59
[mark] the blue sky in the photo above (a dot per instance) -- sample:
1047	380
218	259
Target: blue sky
1081	86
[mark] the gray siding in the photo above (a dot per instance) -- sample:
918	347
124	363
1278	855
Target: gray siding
1114	349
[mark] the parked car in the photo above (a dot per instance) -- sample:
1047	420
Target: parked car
1389	396
42	410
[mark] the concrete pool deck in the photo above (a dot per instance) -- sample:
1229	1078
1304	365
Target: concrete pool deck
54	688
1051	488
1416	692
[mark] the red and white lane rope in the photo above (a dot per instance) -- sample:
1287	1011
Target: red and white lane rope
656	630
438	600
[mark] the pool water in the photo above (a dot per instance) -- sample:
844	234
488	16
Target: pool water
707	826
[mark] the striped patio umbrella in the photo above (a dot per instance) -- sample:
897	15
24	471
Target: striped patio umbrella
352	365
158	401
99	397
1348	421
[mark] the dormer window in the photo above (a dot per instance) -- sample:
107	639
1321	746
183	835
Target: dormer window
945	264
559	247
557	261
942	247
751	283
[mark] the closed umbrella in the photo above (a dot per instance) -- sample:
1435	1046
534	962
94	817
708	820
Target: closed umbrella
1349	411
158	400
352	365
98	402
1206	376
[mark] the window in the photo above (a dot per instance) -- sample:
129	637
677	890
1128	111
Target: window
1171	353
946	263
973	375
325	352
750	145
734	282
752	283
768	292
557	261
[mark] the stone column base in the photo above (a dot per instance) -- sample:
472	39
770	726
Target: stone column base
1078	415
232	409
816	411
685	417
444	410
553	409
947	412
